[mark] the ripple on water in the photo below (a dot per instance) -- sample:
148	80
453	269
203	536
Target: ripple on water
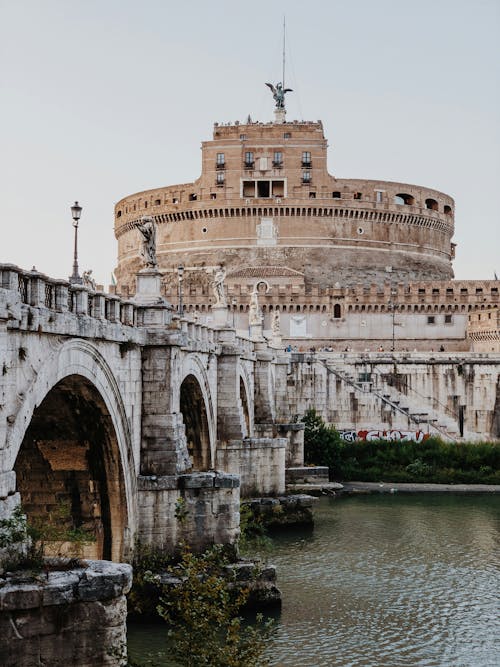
394	582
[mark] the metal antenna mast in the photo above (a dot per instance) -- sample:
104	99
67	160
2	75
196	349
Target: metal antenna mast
283	79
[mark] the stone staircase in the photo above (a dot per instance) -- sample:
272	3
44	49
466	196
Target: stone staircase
416	408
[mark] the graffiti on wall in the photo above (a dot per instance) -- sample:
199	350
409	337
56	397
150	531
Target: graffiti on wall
392	435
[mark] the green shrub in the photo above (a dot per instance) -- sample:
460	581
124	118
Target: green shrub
202	613
322	445
432	460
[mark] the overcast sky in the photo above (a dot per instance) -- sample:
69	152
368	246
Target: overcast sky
103	98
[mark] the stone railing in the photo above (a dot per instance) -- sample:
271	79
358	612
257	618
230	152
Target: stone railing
197	332
37	290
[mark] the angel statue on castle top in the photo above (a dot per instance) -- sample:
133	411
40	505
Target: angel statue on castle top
279	94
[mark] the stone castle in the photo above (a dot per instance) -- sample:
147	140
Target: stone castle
349	263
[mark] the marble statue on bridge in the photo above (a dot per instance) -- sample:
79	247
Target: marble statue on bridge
148	251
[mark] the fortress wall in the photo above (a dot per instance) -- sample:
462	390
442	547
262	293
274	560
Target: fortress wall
431	387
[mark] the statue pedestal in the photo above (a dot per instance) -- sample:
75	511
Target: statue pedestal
256	332
279	116
148	287
152	309
220	316
276	342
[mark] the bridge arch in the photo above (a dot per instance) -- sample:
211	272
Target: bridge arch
197	408
70	446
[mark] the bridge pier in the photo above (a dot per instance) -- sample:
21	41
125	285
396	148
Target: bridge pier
200	509
163	440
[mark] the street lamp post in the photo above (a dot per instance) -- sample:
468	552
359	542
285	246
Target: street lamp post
233	308
393	307
76	212
180	276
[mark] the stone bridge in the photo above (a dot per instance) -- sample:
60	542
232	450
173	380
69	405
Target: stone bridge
139	423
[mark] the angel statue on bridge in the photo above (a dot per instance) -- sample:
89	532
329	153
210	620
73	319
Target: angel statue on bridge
218	286
148	251
279	94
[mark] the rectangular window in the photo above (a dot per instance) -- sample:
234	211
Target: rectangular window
431	319
249	188
220	178
263	189
306	177
357	195
243	137
220	160
379	195
287	135
249	161
306	159
278	188
278	159
448	319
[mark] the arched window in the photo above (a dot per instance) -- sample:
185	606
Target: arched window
432	204
404	199
447	209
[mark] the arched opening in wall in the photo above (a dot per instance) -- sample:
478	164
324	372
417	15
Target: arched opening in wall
404	199
447	209
194	416
244	405
432	204
69	468
337	312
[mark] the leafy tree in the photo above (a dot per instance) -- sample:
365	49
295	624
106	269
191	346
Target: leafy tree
322	444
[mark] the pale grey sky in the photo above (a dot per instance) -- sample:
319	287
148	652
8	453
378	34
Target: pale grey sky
103	98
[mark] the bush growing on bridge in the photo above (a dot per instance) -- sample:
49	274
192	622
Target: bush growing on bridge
203	616
432	461
27	544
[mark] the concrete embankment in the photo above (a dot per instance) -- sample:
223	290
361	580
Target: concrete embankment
410	487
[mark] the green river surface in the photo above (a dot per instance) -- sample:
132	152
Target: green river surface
383	580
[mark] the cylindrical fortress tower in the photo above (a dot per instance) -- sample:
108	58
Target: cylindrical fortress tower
266	199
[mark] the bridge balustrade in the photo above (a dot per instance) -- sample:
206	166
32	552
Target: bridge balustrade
37	290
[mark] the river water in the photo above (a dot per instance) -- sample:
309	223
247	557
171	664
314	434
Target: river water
385	580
